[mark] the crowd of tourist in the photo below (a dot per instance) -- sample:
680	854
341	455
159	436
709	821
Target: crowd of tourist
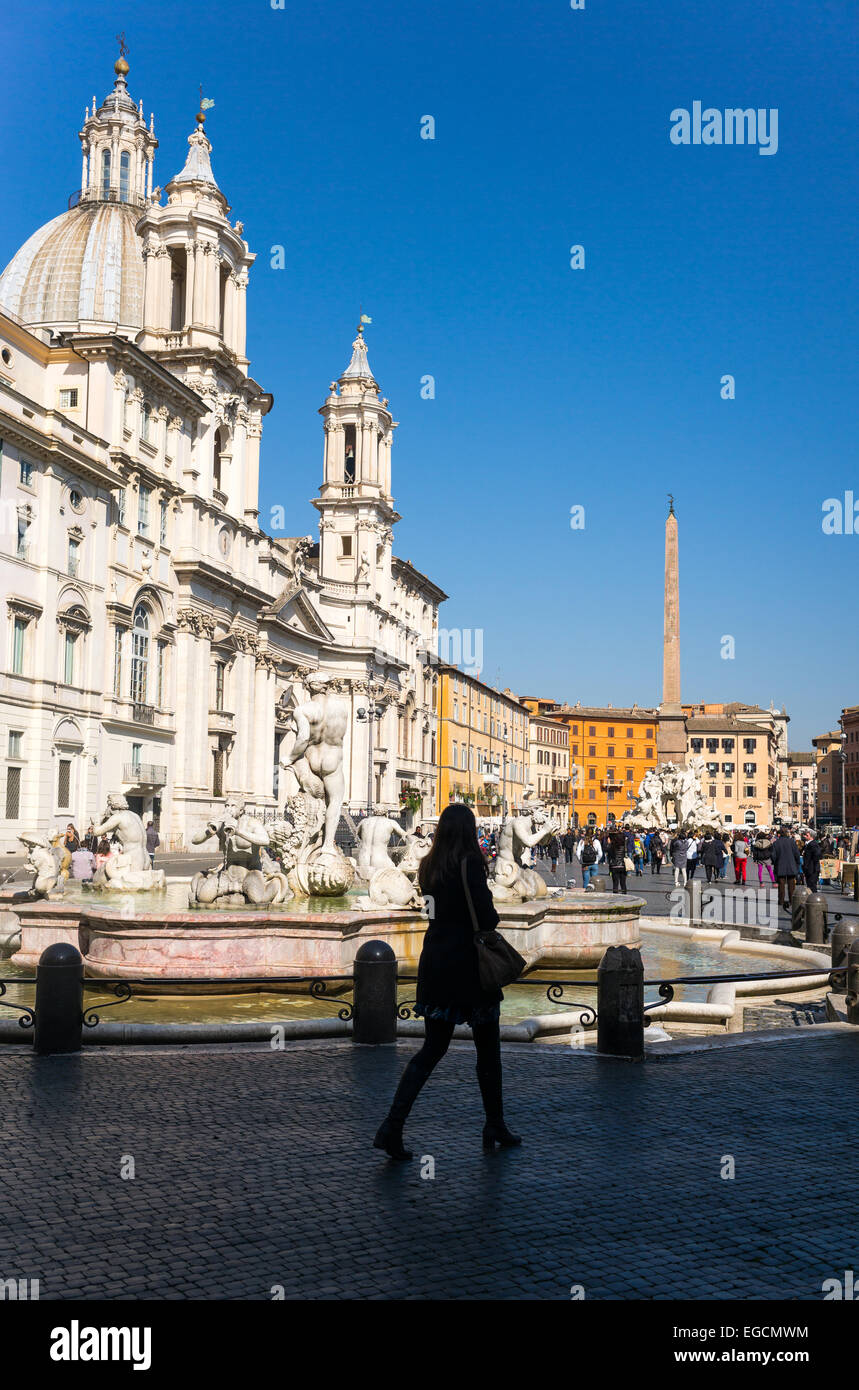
782	856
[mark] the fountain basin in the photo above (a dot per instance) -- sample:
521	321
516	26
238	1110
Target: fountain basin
143	941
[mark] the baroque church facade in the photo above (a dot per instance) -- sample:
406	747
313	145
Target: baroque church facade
155	638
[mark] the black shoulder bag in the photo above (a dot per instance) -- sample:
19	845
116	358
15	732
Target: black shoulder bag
498	964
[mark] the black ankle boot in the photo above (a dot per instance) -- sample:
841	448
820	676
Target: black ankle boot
495	1130
390	1134
498	1133
390	1138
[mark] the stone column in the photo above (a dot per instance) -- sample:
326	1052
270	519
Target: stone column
263	729
671	734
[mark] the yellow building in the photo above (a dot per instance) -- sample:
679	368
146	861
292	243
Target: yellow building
482	744
549	757
609	752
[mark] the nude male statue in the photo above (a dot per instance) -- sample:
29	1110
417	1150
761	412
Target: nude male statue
246	870
374	838
316	757
129	867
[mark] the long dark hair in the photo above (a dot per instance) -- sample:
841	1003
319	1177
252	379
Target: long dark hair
455	838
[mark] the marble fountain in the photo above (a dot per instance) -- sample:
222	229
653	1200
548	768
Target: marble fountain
284	899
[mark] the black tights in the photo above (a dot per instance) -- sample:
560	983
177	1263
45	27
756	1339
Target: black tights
438	1033
437	1036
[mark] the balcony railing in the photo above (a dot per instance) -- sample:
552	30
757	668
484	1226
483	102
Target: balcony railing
145	774
143	714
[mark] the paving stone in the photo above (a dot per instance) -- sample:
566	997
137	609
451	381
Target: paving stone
256	1169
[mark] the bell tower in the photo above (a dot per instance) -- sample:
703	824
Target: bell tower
356	508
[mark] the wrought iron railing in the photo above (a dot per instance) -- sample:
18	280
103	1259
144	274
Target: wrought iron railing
27	1011
125	993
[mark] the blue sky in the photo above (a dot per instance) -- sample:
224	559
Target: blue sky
554	387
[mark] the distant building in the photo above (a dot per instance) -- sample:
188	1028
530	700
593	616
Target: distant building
745	749
610	749
549	747
483	755
828	776
850	744
802	786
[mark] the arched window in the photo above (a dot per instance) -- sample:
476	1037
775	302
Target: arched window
140	655
217	462
105	173
124	164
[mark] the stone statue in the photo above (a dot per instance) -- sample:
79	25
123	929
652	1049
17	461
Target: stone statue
679	788
128	868
316	757
47	881
390	888
513	879
417	848
316	760
374	838
247	872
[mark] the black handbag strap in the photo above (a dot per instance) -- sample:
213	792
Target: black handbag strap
464	868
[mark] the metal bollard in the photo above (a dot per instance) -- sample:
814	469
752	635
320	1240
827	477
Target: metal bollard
852	1000
815	919
843	936
620	1003
374	1013
801	894
59	999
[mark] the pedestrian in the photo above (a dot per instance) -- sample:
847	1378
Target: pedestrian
741	855
692	857
448	987
553	851
589	854
152	842
785	863
102	851
726	841
83	864
679	852
569	843
657	852
638	855
71	839
617	860
811	864
712	853
762	853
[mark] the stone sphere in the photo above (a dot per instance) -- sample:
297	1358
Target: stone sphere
326	874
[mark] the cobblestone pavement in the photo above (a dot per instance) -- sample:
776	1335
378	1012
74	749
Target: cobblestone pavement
254	1169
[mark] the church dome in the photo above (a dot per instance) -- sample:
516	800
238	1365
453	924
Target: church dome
84	269
81	269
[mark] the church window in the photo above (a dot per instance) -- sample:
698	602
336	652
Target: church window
64	784
162	526
349	461
178	265
25	475
220	671
160	672
69	658
105	173
117	662
143	497
68	398
13	793
73	559
18	635
347	545
222	302
124	165
217	461
140	655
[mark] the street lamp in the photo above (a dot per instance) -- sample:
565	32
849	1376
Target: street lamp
370	715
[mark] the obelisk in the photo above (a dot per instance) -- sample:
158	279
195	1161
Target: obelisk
671	738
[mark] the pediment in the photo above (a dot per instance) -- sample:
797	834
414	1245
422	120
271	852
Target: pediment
294	610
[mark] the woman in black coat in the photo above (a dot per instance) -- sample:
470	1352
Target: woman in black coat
449	989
